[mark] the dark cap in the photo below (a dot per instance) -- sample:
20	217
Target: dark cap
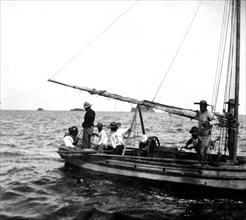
194	130
230	101
202	102
73	130
99	125
114	124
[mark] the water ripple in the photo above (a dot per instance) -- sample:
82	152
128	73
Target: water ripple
36	185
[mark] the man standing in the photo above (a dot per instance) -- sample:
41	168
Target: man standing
88	125
232	125
206	120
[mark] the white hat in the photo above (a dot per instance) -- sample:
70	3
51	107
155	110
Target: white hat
143	138
87	105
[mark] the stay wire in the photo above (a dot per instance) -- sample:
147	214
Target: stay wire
177	51
94	39
218	68
223	131
221	57
229	71
230	13
230	56
219	52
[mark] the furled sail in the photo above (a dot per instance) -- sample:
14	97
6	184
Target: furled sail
167	108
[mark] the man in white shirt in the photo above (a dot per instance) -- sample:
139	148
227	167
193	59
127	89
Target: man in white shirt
116	137
206	120
70	138
103	139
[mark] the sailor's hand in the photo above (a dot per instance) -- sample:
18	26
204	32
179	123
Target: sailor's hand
211	146
233	125
223	122
205	124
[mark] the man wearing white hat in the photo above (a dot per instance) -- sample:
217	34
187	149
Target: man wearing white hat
143	145
206	120
88	125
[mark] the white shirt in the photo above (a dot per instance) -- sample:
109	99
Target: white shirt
103	139
68	141
117	137
206	116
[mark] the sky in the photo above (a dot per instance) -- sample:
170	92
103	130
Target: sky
123	47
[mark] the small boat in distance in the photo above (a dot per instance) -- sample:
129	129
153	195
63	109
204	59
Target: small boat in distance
77	109
40	109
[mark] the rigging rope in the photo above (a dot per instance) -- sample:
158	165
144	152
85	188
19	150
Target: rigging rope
223	131
231	56
94	39
230	63
218	75
220	60
177	51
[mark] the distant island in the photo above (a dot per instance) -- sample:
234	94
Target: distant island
144	109
77	109
40	109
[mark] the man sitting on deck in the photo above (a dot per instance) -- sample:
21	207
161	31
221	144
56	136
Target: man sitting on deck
116	137
70	139
194	141
147	145
102	138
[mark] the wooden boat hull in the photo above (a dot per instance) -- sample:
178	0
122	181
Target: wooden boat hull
224	176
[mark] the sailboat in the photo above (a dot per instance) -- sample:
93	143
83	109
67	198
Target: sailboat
164	163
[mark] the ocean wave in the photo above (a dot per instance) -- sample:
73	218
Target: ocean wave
11	154
10	194
96	214
15	169
36	185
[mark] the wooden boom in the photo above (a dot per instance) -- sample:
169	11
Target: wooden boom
167	108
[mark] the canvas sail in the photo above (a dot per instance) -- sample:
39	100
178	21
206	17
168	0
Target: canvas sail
166	108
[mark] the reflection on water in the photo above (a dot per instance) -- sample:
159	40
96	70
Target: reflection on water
35	184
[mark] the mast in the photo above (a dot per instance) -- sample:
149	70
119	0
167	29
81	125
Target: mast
238	14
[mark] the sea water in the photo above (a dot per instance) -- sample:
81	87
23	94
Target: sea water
35	184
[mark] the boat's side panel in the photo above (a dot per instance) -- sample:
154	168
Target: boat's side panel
222	183
196	175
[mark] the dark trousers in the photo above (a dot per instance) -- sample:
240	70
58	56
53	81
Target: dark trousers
119	149
86	140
